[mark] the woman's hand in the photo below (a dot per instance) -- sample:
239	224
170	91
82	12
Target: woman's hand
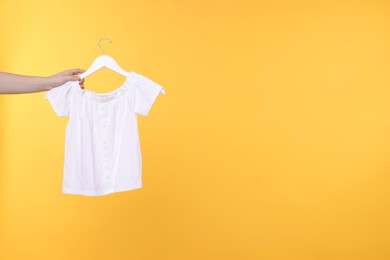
21	84
65	76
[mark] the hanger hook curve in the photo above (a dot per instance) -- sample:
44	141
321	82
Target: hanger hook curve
101	46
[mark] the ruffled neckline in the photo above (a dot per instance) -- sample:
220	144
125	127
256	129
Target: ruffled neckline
107	96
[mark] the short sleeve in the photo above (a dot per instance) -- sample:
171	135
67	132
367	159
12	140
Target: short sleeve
59	98
146	93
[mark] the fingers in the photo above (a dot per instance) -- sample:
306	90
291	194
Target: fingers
75	71
81	82
74	75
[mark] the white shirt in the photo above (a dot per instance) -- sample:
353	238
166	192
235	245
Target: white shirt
102	147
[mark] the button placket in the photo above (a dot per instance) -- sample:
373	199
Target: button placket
104	140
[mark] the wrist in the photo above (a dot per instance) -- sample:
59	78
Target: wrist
48	83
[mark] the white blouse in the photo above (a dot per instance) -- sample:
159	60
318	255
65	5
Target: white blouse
102	147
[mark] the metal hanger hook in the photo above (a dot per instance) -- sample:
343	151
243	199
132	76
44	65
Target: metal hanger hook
101	46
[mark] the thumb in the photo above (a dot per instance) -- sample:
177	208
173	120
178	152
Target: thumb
75	71
74	74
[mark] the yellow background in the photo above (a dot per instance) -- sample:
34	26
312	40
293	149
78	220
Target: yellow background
273	141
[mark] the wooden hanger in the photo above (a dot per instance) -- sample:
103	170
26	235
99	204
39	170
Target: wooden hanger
104	61
108	62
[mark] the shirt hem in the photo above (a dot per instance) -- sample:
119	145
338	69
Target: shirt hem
79	191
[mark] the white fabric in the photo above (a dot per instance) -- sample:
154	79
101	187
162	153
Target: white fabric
102	147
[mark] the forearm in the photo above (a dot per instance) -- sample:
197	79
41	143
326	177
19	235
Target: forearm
18	84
